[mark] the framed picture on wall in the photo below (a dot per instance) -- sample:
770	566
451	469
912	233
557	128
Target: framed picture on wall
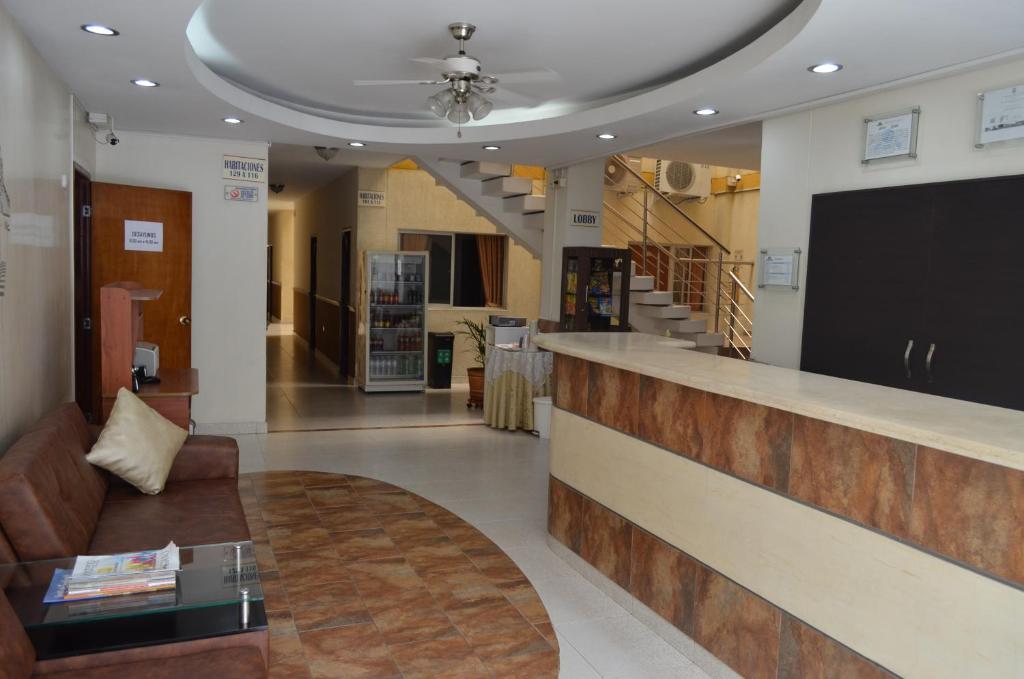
893	135
1000	116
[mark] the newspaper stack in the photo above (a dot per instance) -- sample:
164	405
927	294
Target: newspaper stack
102	576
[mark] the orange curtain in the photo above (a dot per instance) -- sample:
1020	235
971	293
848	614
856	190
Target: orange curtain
416	242
492	268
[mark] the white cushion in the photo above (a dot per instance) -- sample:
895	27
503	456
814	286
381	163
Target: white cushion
137	444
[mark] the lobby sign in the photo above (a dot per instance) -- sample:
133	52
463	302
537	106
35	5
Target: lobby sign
143	236
242	194
240	168
891	136
371	199
584	218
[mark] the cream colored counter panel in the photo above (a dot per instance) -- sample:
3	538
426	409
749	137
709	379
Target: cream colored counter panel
916	614
973	430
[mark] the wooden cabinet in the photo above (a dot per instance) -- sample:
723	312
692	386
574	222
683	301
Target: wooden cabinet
919	287
595	289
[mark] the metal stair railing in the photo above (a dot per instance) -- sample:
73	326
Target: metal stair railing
708	280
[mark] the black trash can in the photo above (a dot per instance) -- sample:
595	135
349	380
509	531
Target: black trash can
440	346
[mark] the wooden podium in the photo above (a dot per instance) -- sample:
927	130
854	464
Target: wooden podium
120	329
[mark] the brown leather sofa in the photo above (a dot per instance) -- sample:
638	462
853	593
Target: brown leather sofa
53	504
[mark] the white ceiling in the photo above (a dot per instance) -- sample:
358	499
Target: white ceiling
881	42
336	43
301	170
737	147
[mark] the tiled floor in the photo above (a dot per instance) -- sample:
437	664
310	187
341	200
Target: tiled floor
364	579
495	480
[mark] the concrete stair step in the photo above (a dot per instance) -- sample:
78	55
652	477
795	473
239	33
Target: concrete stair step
503	187
659	297
525	204
483	169
697	325
675	311
641	283
703	339
534	220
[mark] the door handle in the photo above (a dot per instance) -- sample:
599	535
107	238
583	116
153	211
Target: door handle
184	320
928	362
906	358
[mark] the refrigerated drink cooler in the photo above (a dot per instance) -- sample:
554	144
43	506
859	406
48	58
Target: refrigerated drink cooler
396	318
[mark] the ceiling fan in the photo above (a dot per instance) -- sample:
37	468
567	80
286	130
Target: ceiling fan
463	99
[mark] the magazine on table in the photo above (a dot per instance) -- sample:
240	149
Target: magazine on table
116	574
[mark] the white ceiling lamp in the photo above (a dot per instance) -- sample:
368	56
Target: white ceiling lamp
706	111
467	91
231	120
356	144
100	29
825	68
326	152
606	136
143	82
492	147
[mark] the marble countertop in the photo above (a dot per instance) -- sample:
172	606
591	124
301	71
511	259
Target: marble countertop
970	429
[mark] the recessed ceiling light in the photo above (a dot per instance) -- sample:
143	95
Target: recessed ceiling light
707	111
99	29
606	136
233	121
356	144
826	68
492	147
142	82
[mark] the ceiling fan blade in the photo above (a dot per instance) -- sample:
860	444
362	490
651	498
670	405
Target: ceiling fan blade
399	82
544	75
428	60
504	95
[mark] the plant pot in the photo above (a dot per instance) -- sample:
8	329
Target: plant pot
476	387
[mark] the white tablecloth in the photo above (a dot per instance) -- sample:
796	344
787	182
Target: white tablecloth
511	381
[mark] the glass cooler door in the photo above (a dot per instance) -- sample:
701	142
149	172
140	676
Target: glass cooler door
396	321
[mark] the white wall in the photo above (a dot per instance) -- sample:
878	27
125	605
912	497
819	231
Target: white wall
35	311
819	151
229	242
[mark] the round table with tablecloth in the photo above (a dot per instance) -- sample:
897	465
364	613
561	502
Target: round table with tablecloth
512	378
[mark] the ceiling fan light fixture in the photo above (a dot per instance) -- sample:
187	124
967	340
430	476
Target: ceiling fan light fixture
479	107
459	113
326	152
441	103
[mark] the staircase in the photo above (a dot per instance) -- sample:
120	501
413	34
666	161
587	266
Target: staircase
509	201
704	294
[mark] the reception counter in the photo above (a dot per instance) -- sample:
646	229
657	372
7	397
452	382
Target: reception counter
793	525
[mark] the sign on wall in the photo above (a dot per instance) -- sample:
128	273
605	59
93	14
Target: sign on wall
1000	115
371	199
584	218
242	194
891	136
245	169
143	236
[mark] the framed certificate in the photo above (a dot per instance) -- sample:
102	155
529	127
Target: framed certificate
891	136
1000	116
779	267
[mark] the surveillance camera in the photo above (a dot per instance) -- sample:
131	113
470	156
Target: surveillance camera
112	139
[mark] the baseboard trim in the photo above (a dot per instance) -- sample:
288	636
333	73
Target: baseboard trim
231	428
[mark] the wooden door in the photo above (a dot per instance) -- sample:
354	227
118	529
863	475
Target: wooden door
168	319
975	315
867	284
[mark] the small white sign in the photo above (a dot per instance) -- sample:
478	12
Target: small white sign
1002	115
584	218
245	169
371	199
242	194
891	136
778	269
143	236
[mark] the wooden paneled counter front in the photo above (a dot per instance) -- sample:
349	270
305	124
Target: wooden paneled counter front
794	525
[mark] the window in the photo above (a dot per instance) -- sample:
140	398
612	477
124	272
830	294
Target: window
466	270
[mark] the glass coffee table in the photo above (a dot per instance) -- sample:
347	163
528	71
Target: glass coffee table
218	593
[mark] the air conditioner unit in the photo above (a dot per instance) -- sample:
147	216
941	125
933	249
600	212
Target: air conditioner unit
686	180
617	178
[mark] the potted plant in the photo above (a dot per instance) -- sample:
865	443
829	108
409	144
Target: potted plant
478	337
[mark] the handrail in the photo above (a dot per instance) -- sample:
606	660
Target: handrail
625	165
742	287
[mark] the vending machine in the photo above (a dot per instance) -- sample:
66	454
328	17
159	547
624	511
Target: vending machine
396	321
